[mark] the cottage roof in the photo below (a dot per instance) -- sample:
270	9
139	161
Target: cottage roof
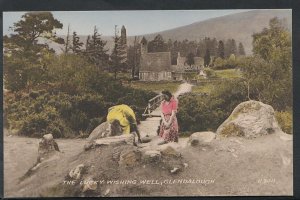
156	62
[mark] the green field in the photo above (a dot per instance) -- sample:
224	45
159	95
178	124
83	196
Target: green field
156	86
204	88
228	73
207	87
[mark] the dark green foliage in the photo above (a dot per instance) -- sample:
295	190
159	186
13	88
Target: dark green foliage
221	49
93	123
76	44
190	59
228	63
285	120
269	72
25	58
201	113
157	44
95	50
133	57
210	73
230	48
207	58
241	50
67	111
119	54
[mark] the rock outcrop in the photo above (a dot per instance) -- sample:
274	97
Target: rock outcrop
47	148
103	130
250	119
201	138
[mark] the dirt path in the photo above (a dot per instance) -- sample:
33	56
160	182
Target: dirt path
183	88
150	125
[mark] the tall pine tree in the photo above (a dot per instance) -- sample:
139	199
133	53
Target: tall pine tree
207	58
221	49
118	57
76	44
241	50
95	50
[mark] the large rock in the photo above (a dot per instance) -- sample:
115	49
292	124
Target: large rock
76	172
250	119
168	150
151	155
47	148
116	140
103	130
201	138
130	158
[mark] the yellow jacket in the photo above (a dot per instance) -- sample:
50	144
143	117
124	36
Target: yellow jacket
124	114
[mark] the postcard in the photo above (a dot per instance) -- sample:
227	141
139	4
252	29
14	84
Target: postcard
148	103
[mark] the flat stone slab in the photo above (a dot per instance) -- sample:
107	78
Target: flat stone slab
125	138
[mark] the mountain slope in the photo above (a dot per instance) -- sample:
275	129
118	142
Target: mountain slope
239	26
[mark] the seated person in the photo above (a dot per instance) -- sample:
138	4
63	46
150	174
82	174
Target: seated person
122	120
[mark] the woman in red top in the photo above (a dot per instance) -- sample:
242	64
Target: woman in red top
169	126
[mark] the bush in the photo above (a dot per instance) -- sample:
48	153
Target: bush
202	113
93	123
285	121
228	63
73	99
210	73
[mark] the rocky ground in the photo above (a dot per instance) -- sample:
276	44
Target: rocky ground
242	159
230	166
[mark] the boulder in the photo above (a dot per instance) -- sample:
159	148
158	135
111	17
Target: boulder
89	146
47	147
167	150
152	155
116	140
103	130
201	138
250	119
76	172
146	139
130	157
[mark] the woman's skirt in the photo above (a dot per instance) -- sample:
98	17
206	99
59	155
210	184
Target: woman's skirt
169	134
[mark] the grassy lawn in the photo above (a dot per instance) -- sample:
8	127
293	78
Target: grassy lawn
156	86
204	88
228	73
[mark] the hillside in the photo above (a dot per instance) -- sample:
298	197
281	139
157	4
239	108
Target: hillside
239	26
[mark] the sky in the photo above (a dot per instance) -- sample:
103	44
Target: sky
136	22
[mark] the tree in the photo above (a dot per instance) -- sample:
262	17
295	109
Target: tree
268	73
241	50
117	56
133	56
95	50
28	55
157	44
35	25
221	49
190	59
67	42
76	44
207	58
